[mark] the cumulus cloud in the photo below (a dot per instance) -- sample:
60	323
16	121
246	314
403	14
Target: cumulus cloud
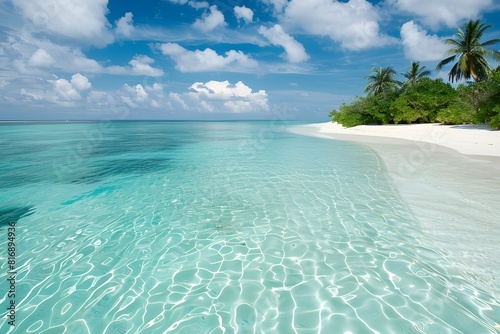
125	25
65	90
221	90
353	24
191	3
420	46
447	12
41	59
277	4
84	21
32	95
80	82
243	13
141	65
29	55
210	20
221	95
198	5
294	51
176	101
212	96
59	91
100	100
206	60
27	51
135	95
139	96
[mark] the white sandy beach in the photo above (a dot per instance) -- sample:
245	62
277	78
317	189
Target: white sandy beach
466	139
450	177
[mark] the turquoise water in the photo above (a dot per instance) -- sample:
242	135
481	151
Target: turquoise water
218	227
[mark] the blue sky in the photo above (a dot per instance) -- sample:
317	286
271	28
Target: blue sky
233	59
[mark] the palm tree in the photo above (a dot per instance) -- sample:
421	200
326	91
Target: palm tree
381	80
470	51
415	73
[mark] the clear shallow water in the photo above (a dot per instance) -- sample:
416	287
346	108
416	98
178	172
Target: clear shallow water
227	227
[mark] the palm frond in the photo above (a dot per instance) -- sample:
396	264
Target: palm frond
470	51
493	54
444	62
490	42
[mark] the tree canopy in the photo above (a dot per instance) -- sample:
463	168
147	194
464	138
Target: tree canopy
470	51
422	99
381	79
415	73
427	101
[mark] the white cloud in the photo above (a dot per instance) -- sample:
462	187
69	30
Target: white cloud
354	24
193	4
212	96
28	51
210	20
84	21
239	106
177	100
157	88
65	90
198	5
221	95
243	13
135	96
206	60
100	100
447	12
141	66
294	51
138	92
41	59
59	91
221	90
31	94
32	56
80	82
125	25
420	46
277	4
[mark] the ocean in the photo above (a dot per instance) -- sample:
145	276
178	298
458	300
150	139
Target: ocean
216	227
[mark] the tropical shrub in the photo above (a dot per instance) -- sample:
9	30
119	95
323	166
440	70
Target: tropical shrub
421	102
495	120
372	109
475	102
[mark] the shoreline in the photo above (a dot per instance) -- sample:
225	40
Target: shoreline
449	177
477	140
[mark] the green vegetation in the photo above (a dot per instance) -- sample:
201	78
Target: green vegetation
415	73
381	80
471	53
424	100
421	102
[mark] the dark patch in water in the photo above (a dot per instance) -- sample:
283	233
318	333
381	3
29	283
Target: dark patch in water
14	214
22	175
107	168
92	193
81	155
136	142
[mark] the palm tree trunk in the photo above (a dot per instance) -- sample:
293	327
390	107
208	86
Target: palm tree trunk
474	75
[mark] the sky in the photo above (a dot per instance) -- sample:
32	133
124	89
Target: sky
213	60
